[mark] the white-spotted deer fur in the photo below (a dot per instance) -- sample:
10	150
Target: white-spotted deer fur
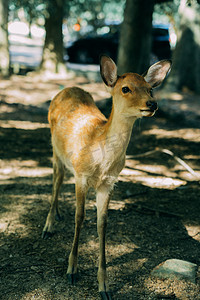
94	148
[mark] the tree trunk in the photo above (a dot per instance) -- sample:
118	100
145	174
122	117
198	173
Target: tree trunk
4	48
186	59
136	36
52	59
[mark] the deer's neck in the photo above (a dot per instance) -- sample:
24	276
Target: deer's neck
118	131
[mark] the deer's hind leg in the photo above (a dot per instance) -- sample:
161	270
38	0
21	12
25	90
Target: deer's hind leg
81	191
58	175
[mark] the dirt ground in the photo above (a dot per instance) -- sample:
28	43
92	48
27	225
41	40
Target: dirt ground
154	210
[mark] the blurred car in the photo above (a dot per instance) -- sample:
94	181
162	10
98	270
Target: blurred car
86	50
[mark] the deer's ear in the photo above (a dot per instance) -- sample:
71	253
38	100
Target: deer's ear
157	72
108	70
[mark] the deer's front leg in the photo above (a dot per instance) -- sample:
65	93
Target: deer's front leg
79	217
102	209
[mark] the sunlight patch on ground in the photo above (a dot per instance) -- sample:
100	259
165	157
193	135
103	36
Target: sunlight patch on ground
27	168
133	264
4	108
189	134
16	94
70	179
10	220
15	218
175	96
176	171
165	94
9	225
191	156
162	182
166	289
93	243
151	181
37	293
32	91
116	204
189	177
23	125
149	168
128	172
98	91
118	247
35	89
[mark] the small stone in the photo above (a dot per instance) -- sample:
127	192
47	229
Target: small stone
176	268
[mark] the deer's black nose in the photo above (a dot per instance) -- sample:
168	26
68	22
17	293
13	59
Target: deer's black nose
152	105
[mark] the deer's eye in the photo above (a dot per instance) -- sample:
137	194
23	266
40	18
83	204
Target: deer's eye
125	90
151	93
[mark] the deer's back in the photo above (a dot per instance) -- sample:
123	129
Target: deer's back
76	127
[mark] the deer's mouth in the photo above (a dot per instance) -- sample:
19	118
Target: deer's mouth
147	112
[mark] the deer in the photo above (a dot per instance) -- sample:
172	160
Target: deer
82	141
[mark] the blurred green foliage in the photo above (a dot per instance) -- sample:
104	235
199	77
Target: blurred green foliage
74	11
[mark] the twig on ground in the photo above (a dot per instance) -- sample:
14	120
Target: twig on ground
168	152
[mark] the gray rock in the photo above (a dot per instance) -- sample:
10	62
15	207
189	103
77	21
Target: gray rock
176	268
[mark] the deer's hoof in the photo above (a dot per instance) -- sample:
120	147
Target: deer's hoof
72	278
105	295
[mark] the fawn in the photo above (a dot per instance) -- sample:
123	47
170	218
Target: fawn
82	140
